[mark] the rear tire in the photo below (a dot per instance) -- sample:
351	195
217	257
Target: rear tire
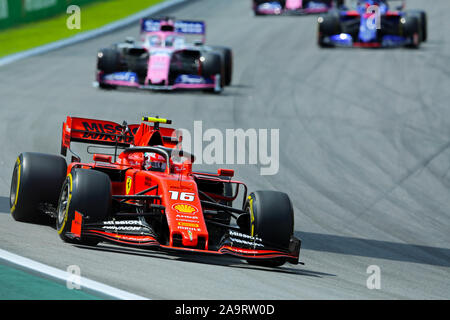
37	179
138	66
89	193
271	219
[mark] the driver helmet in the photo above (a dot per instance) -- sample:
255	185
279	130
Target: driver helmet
154	161
154	41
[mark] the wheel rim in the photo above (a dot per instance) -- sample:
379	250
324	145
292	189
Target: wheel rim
63	202
14	184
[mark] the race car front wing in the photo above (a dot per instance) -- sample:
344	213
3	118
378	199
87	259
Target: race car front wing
186	82
137	234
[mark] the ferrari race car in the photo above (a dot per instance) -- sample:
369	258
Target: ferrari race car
165	59
293	7
372	24
142	192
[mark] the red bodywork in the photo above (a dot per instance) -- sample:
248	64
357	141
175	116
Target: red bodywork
172	193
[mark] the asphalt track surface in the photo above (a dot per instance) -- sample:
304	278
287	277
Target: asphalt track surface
364	156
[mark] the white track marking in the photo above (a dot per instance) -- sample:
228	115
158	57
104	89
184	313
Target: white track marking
87	285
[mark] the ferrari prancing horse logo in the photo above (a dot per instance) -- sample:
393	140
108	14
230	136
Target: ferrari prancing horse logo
128	185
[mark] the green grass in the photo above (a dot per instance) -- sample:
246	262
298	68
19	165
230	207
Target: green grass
95	15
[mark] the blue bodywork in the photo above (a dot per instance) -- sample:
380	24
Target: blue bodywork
368	27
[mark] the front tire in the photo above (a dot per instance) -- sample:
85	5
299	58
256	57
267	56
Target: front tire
423	23
412	30
211	66
108	61
328	25
227	61
87	192
272	220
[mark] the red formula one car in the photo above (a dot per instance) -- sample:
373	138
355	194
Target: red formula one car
147	196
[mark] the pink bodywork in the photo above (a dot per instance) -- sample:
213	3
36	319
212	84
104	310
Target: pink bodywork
159	66
291	6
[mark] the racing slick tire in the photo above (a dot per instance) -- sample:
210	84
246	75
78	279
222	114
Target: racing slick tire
328	25
422	16
139	66
108	61
89	193
412	29
211	66
226	55
37	179
271	219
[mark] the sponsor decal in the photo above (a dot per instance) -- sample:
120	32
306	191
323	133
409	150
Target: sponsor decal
123	222
128	185
244	236
188	224
122	228
191	27
245	239
184	208
121	76
182	216
188	228
192	79
106	132
248	243
149	25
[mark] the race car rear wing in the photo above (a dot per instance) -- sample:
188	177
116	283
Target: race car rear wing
178	26
186	27
110	133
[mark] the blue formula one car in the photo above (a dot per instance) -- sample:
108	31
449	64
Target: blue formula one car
373	24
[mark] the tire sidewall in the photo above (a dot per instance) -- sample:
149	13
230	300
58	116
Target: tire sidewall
88	193
37	179
266	207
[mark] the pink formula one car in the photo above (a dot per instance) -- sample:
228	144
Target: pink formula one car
165	59
294	7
